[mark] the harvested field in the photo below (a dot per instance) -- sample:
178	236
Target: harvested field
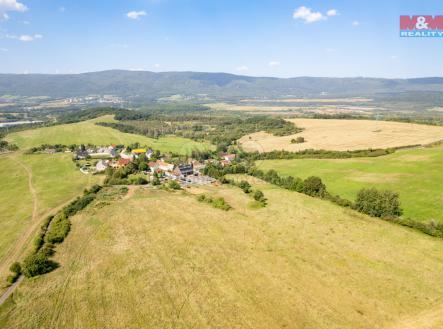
343	135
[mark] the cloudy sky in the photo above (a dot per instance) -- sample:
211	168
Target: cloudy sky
261	37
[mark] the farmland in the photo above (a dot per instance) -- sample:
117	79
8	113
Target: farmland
415	174
32	185
343	135
144	262
88	132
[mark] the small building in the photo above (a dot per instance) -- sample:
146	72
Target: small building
149	153
225	163
123	163
184	170
101	166
127	156
153	166
138	151
228	157
81	155
162	165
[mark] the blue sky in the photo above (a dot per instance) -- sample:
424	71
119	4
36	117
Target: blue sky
281	38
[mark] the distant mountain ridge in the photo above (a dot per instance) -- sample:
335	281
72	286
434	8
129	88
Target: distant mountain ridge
218	85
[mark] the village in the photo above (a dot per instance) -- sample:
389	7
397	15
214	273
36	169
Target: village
152	165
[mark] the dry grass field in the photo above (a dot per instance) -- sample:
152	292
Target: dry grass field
297	108
31	186
343	135
161	259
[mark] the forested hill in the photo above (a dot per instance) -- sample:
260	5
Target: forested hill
222	85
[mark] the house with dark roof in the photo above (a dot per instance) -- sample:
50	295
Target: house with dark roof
183	170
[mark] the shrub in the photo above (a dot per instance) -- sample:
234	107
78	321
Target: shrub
37	264
260	197
314	186
245	186
174	185
376	203
59	229
220	203
298	140
16	268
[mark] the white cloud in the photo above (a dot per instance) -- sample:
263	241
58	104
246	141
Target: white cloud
308	16
157	66
242	68
330	50
3	50
62	9
12	5
332	12
355	23
136	14
274	63
25	37
4	17
394	57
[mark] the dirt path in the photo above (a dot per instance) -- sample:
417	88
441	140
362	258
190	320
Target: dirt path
428	319
10	290
131	191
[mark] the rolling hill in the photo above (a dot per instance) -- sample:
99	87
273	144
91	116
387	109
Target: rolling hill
158	259
153	85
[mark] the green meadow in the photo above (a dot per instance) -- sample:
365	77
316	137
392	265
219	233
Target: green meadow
32	185
88	132
417	175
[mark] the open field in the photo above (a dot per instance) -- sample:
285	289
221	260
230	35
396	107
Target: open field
159	259
31	186
416	174
311	100
343	135
87	132
297	108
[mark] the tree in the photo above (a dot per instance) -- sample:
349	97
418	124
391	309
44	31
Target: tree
16	268
376	203
314	186
37	264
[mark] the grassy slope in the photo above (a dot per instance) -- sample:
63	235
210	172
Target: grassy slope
416	174
163	260
87	132
55	180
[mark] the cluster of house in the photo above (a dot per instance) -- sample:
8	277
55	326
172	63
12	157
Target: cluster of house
96	152
119	158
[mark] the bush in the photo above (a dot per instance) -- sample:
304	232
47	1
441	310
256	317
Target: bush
219	203
138	181
16	268
245	186
314	186
37	264
376	203
298	140
174	185
59	229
